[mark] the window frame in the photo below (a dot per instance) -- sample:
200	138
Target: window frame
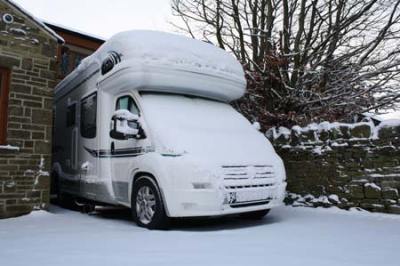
4	95
82	133
133	100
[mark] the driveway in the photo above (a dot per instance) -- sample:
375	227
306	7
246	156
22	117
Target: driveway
287	236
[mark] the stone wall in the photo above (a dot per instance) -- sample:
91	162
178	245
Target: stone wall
345	165
29	52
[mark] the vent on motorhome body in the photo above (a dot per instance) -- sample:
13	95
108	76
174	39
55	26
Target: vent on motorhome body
111	60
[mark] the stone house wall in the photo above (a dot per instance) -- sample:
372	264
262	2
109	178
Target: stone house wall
344	165
29	52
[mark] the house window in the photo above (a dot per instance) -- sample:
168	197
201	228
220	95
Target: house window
88	116
70	60
4	88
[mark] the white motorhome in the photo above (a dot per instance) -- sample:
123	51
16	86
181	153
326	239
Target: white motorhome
145	122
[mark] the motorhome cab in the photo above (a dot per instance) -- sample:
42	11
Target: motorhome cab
145	122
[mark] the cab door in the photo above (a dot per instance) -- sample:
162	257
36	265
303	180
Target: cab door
125	154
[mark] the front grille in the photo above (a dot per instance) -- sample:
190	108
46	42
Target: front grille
243	172
248	185
248	176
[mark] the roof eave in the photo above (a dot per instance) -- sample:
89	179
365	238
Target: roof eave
38	22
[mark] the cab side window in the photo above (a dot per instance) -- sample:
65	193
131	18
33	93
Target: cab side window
88	116
127	103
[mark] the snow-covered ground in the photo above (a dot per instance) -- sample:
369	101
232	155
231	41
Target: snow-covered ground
287	236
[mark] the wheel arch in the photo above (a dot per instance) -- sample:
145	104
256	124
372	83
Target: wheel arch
153	179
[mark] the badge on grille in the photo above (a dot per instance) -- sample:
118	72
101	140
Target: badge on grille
232	197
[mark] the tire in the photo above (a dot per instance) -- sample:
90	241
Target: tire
256	215
62	199
147	205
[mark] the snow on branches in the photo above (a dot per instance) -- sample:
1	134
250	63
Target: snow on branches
306	60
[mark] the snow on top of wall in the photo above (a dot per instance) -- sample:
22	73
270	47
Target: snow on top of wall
36	20
373	185
275	133
9	147
320	138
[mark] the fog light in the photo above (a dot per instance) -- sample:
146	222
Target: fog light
201	185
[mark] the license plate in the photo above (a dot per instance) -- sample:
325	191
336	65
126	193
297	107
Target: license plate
251	195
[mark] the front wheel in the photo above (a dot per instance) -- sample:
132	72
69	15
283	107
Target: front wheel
147	206
256	215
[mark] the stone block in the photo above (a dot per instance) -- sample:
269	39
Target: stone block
372	191
389	132
356	191
18	134
9	62
15	111
390	193
49	50
19	88
33	104
361	131
345	131
27	63
38	135
42	92
43	117
324	135
394	209
47	74
374	207
308	136
16	210
43	182
335	133
41	147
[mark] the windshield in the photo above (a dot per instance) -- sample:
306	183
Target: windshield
196	125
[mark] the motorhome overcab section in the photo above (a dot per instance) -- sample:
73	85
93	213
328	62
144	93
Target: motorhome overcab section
145	122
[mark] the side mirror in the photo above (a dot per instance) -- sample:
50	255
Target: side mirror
125	125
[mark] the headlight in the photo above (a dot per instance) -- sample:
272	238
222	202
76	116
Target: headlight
280	170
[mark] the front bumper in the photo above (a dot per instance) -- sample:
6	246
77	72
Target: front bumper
219	202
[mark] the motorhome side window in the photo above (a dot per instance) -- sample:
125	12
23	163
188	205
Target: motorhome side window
71	114
127	103
88	116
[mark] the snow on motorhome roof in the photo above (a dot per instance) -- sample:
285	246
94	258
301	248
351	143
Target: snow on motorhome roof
156	47
150	51
36	20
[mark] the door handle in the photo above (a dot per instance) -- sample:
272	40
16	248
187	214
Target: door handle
85	166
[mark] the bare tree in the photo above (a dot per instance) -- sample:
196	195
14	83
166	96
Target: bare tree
305	59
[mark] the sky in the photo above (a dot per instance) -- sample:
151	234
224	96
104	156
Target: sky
103	18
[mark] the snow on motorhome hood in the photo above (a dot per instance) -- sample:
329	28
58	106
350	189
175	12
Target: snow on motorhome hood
206	129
